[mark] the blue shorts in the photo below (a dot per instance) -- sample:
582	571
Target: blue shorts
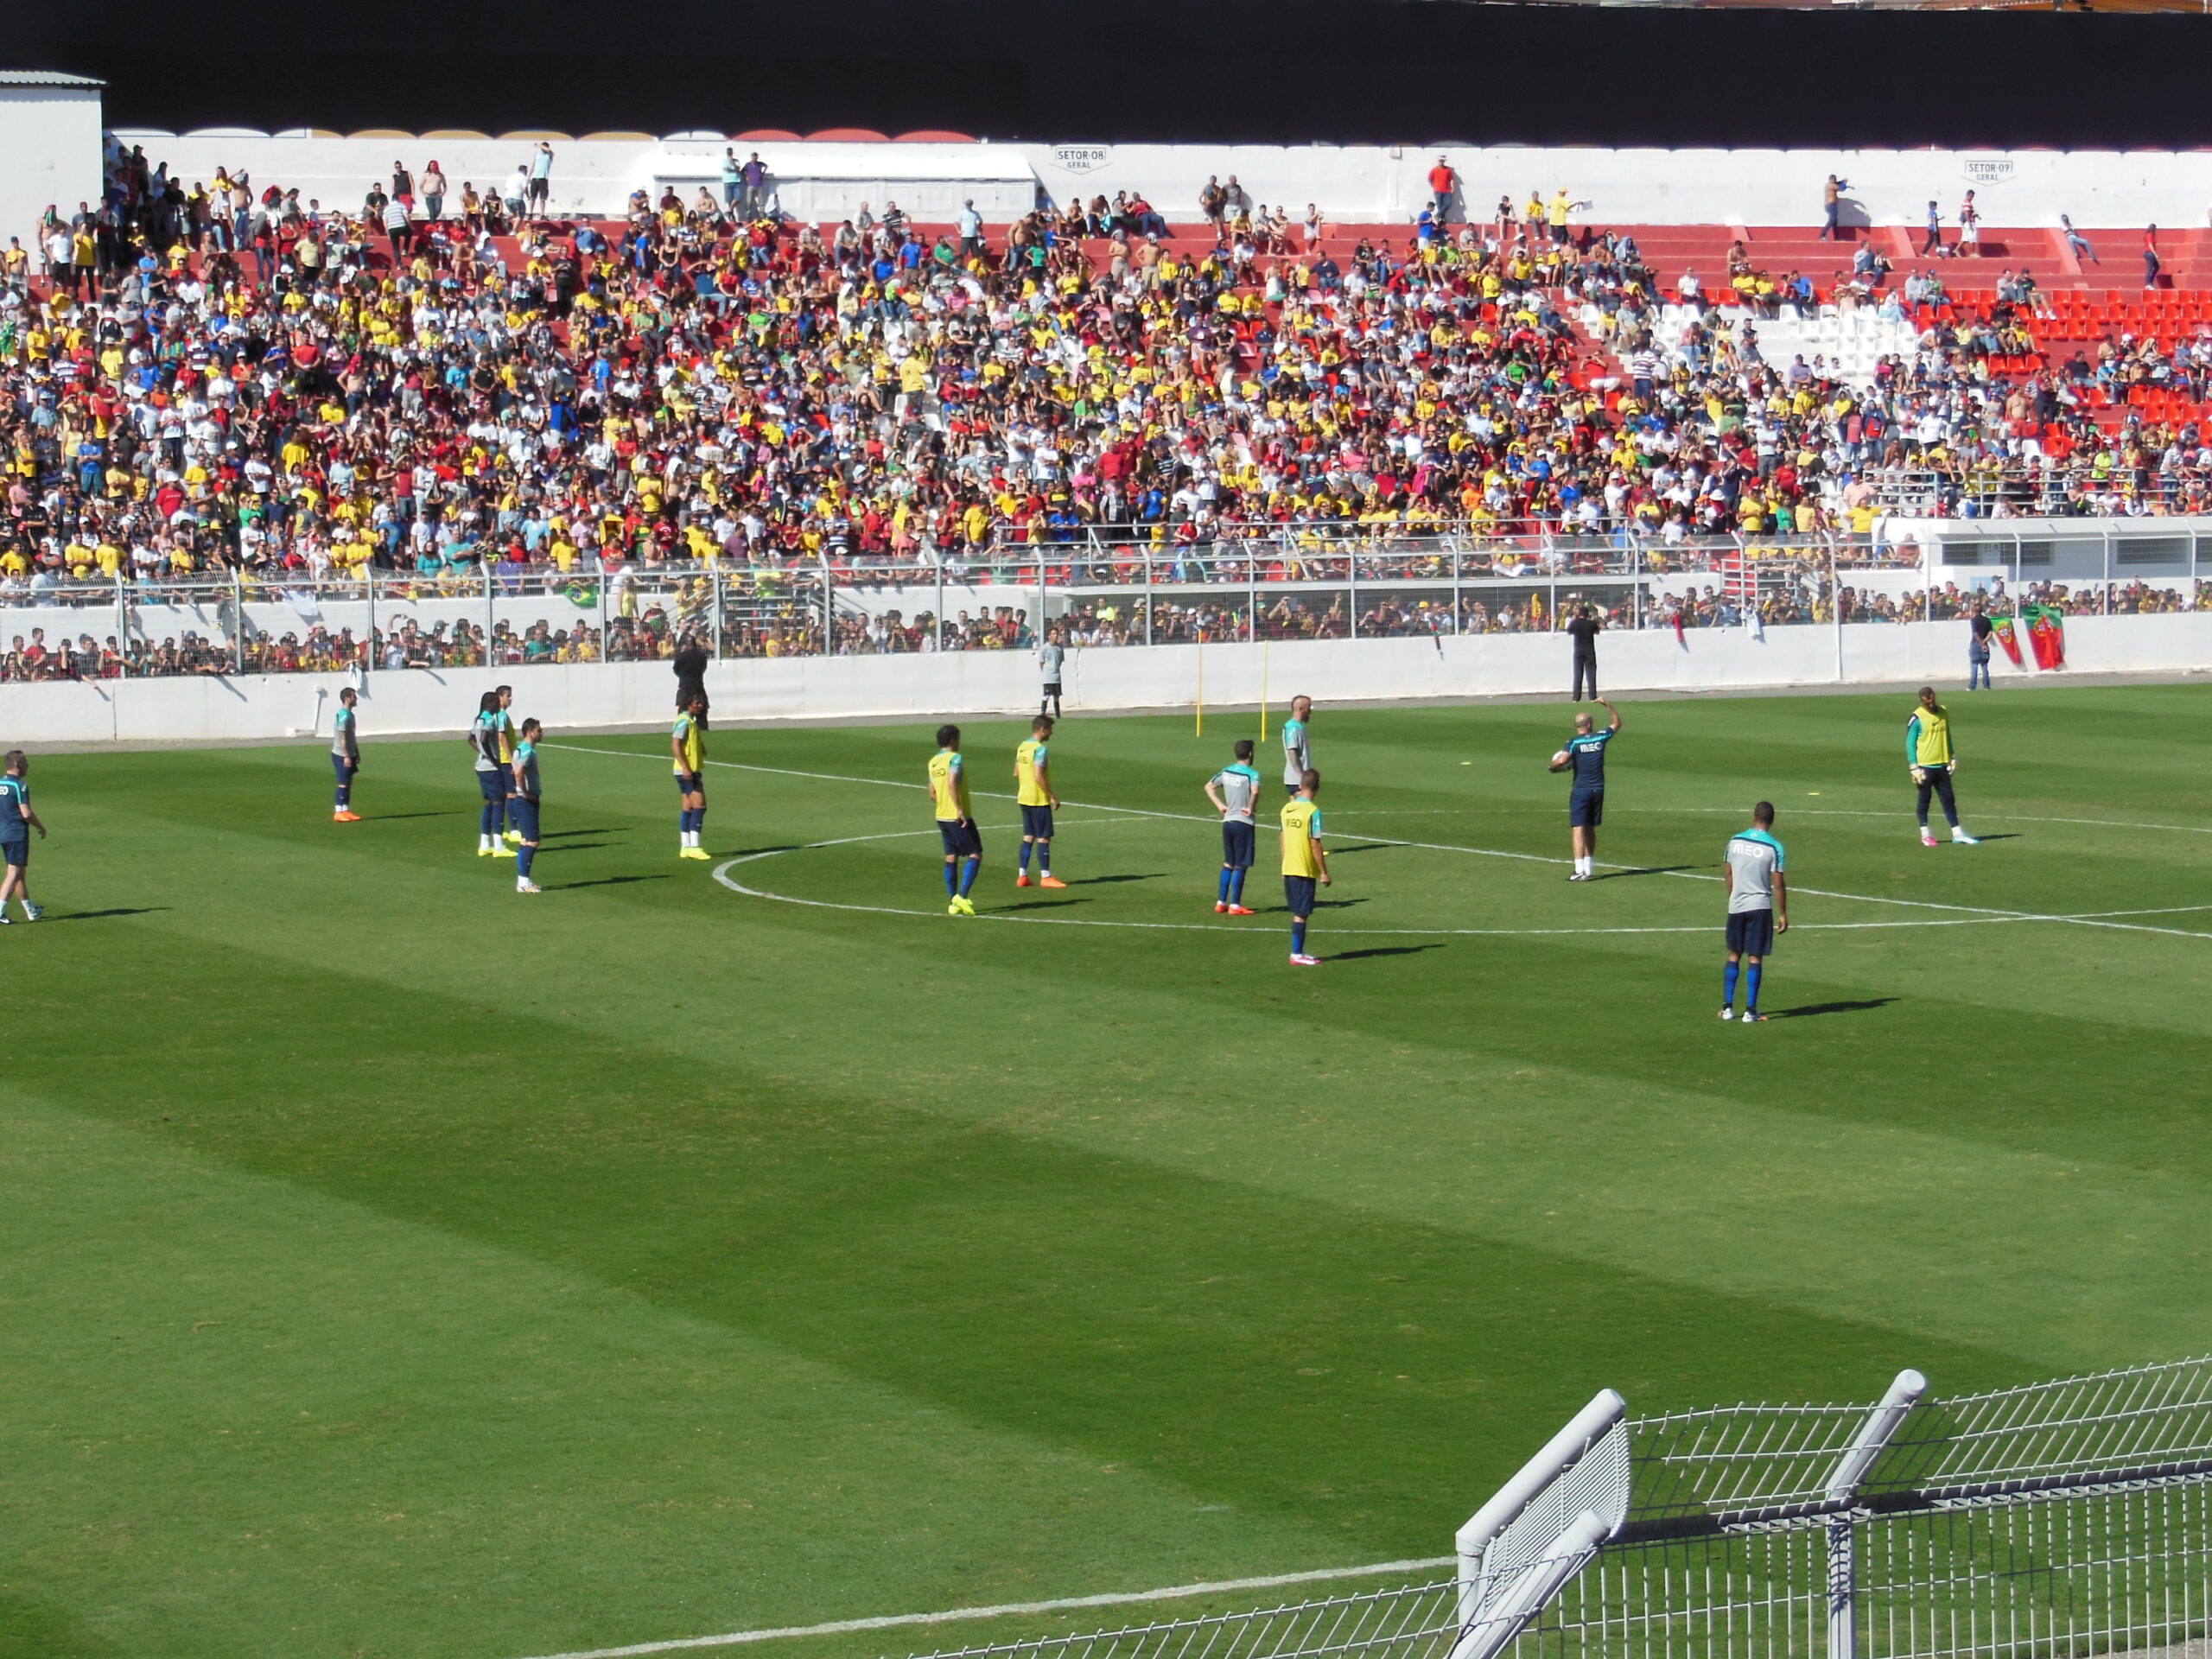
1298	893
1036	823
1750	932
1237	844
16	855
1586	809
494	783
960	841
690	783
343	767
525	812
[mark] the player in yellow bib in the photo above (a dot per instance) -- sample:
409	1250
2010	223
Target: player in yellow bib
956	822
1033	778
687	747
1304	865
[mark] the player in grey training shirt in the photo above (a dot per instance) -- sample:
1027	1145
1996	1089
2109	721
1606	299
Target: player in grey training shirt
1758	909
1050	655
1297	745
1234	791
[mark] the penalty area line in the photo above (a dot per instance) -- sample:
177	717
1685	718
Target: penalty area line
1009	1610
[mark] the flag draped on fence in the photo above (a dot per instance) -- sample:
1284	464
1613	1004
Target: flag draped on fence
2007	637
2046	635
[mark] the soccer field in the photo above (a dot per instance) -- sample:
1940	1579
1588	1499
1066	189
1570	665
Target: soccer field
395	1265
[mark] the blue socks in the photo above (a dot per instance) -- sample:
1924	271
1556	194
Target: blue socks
1751	987
1298	938
1026	846
1236	887
1044	858
968	873
1225	874
690	820
1728	985
523	855
489	824
344	795
952	880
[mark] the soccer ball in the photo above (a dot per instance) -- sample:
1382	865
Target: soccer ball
1559	761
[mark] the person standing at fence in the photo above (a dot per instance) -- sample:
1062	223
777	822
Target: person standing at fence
956	822
1583	632
16	823
1297	743
1927	753
1831	209
1979	629
687	747
1033	778
526	801
1585	756
691	665
1234	791
1052	656
1759	910
485	738
346	754
1305	864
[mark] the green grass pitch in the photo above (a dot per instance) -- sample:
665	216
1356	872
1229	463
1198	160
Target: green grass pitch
392	1265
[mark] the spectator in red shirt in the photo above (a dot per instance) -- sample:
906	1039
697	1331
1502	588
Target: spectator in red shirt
1443	184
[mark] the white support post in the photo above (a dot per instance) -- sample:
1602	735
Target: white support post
1882	1423
1560	1452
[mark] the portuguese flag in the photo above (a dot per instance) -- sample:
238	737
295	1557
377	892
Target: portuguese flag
2001	630
2046	635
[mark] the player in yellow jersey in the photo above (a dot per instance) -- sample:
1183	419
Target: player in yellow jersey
687	745
1304	863
1033	777
512	833
955	822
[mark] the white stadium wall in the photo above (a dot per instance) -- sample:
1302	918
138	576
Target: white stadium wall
214	709
1351	184
49	154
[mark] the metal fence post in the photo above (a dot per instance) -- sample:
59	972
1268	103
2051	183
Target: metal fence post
939	552
122	627
369	586
714	599
1851	1469
238	621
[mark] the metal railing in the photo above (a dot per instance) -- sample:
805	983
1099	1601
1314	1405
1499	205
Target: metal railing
2064	1521
1294	583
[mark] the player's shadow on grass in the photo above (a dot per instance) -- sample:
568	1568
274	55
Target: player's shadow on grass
1812	1008
762	852
394	817
1383	950
1042	904
1328	903
98	915
1100	880
563	835
580	846
2002	835
1644	869
1363	847
607	880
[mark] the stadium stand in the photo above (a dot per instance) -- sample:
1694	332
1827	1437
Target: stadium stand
445	386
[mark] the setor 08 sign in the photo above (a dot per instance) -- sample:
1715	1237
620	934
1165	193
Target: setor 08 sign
1081	158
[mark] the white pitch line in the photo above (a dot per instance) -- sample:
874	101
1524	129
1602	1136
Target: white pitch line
721	873
1988	911
1013	1608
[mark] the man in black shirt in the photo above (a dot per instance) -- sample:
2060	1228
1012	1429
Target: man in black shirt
690	664
1583	631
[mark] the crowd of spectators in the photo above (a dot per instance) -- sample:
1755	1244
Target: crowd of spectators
221	380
